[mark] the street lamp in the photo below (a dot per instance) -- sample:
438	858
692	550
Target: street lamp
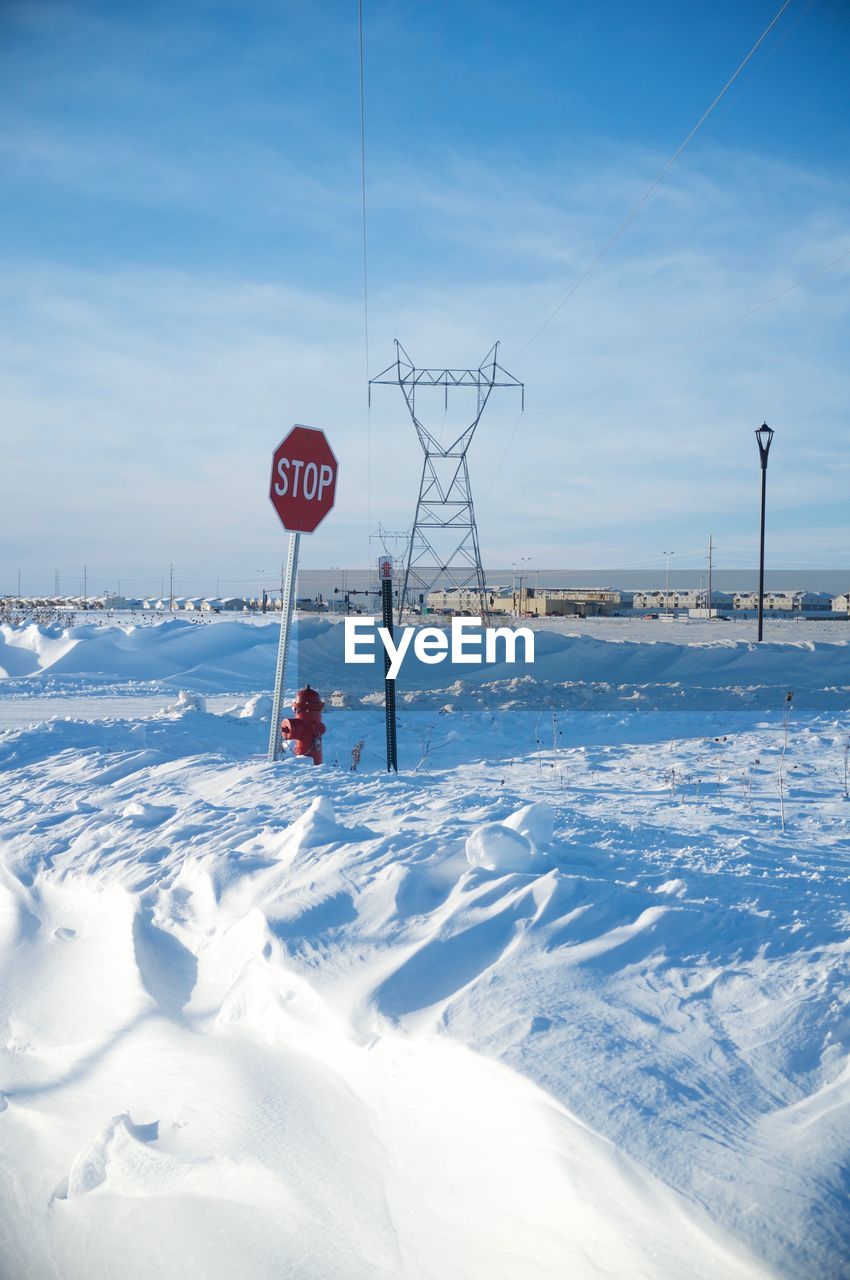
764	436
523	560
667	554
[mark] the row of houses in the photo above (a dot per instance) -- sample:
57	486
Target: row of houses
725	601
156	604
597	601
529	602
217	604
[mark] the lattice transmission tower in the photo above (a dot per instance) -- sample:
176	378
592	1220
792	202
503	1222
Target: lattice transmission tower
443	551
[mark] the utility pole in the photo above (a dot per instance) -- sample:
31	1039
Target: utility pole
85	585
19	586
171	588
667	554
56	583
709	575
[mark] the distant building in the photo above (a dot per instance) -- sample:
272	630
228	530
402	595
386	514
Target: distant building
786	601
689	598
467	602
841	604
565	602
657	600
817	602
223	604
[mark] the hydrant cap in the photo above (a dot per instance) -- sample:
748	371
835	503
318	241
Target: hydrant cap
308	699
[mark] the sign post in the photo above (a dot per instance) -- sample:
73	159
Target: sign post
302	492
286	607
385	572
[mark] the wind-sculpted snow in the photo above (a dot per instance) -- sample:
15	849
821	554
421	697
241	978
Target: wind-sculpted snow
562	998
239	657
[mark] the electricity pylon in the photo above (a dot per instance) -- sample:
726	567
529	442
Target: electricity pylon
443	551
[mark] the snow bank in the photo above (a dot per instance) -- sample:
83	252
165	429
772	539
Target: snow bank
176	1078
212	658
566	999
240	656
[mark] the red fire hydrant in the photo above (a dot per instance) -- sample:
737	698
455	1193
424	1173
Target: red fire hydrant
305	728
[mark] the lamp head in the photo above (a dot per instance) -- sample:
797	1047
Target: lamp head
764	435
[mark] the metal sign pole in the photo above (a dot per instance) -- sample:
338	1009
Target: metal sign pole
286	607
385	568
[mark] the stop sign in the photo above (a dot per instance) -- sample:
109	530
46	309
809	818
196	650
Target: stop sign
303	484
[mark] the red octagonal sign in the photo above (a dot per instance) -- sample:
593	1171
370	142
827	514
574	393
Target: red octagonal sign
303	484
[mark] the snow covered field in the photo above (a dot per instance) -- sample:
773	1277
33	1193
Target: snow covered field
278	1021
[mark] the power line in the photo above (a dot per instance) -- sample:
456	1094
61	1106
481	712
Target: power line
689	346
652	187
365	261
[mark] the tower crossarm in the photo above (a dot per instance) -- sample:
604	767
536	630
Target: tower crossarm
402	372
446	378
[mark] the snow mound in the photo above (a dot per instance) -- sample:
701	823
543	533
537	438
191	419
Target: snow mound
316	827
534	821
142	814
675	888
91	1167
497	847
187	701
341	698
257	708
126	1159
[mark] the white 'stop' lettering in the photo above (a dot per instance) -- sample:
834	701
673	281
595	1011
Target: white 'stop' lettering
308	482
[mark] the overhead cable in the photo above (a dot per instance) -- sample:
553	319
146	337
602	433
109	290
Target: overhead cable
689	346
653	186
365	262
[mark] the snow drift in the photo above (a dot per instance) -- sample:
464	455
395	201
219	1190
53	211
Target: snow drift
562	997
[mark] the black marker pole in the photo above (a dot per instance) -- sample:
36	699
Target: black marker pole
764	436
385	567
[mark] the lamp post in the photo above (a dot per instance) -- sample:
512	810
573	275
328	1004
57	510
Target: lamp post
667	554
764	436
523	560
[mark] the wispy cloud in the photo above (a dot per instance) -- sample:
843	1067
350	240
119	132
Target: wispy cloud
142	404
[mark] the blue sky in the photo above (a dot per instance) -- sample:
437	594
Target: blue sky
180	244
